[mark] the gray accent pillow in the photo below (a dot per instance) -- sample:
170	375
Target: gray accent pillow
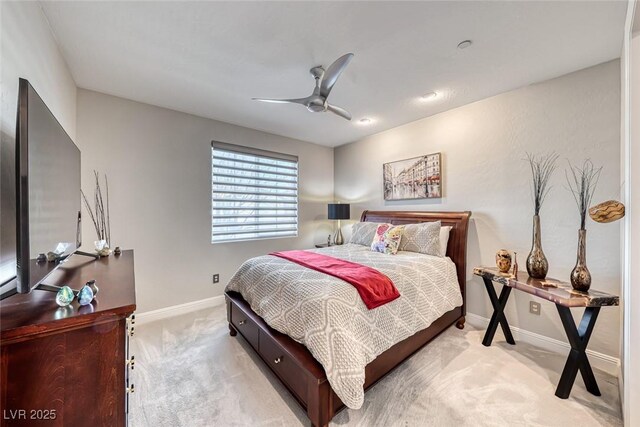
423	238
362	232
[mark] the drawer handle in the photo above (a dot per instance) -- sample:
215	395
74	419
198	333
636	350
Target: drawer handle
242	322
277	360
131	331
131	389
131	362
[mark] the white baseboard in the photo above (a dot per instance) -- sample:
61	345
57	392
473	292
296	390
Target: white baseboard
620	384
601	361
177	310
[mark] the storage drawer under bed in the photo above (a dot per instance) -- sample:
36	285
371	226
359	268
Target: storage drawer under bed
245	325
276	349
282	364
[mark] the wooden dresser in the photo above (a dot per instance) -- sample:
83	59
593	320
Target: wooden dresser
69	366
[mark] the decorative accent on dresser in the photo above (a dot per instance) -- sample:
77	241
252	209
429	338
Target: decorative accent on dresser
339	211
582	183
415	178
564	297
608	211
100	215
64	296
70	360
542	167
85	296
503	260
94	287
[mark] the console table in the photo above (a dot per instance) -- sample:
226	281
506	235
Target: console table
564	297
69	366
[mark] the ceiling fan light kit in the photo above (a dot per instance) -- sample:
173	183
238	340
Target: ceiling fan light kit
325	80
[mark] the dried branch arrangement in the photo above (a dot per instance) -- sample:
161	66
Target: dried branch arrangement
542	167
582	183
100	213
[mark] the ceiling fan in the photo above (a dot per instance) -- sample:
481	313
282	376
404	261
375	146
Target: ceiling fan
325	80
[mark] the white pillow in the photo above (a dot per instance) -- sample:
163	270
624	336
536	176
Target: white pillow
444	239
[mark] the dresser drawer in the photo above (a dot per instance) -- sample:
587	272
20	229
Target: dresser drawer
245	326
282	364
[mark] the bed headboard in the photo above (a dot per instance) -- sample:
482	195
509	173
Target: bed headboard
457	246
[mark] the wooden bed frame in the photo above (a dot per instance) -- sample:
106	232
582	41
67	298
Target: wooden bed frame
294	365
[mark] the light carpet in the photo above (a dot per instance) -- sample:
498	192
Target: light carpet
189	372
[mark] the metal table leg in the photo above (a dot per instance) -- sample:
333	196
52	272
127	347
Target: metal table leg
498	316
577	360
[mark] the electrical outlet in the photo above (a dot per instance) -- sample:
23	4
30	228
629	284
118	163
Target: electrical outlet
216	278
534	308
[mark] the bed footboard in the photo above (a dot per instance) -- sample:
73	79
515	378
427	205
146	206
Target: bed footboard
301	374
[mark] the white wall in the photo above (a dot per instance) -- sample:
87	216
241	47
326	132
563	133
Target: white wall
28	50
483	146
631	177
159	166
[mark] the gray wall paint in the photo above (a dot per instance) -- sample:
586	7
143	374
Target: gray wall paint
28	50
159	168
483	145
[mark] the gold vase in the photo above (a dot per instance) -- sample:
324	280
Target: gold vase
537	264
580	276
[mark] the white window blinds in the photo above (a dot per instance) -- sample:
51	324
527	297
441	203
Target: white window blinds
254	193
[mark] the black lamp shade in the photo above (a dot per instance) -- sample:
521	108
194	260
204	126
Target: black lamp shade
339	211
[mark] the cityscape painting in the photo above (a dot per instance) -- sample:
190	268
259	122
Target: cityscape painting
416	178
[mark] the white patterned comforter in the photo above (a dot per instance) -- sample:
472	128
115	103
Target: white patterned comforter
328	316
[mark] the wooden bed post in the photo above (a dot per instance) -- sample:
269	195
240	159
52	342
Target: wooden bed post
232	330
319	408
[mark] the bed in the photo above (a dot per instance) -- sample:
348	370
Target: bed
293	363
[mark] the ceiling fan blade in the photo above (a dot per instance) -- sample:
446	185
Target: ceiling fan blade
339	111
302	101
333	72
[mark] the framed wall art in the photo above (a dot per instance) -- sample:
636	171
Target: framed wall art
415	178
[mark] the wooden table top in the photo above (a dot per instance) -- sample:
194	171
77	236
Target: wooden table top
37	312
556	291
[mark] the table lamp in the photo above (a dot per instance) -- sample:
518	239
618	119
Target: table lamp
339	211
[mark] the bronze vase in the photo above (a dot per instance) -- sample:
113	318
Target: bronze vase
580	276
537	265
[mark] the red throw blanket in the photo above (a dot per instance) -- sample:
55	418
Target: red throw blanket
374	288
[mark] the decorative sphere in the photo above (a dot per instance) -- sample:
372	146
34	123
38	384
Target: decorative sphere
85	296
65	296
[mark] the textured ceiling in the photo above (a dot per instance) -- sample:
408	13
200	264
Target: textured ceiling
210	58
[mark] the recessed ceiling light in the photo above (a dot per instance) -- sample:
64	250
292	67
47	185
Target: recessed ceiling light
429	96
464	44
365	121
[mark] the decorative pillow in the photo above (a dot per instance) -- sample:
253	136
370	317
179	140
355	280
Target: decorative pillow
444	239
423	238
362	233
387	239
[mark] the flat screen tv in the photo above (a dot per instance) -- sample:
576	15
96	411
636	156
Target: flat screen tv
48	199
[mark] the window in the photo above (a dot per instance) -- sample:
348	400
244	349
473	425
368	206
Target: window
254	194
